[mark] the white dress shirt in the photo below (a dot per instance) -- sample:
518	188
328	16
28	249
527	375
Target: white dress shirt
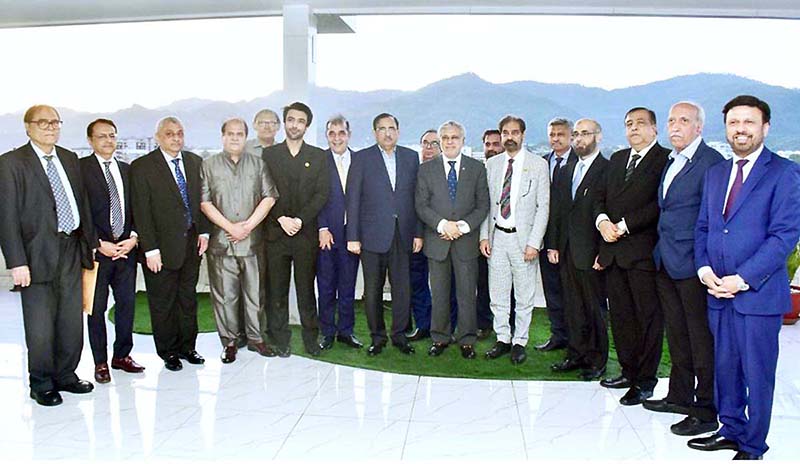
116	175
516	180
463	227
345	159
62	174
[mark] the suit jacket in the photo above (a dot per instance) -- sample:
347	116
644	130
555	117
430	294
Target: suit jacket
678	213
433	204
28	221
761	230
313	191
532	203
372	205
332	214
94	179
637	202
571	226
550	242
158	207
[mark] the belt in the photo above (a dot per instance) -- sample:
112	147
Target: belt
503	229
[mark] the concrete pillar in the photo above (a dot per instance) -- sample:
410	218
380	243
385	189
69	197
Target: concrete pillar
299	67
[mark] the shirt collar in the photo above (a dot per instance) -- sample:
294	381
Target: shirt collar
102	160
346	155
447	160
690	149
394	151
752	157
645	150
40	153
169	158
520	156
564	157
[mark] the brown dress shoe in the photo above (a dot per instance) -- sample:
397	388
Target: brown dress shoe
228	354
263	349
101	374
127	364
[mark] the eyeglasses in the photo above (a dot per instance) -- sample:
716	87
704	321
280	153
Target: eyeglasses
45	123
583	134
430	145
266	123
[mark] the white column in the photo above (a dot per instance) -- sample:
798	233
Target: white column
299	67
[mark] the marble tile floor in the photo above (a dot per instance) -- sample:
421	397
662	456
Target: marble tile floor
297	409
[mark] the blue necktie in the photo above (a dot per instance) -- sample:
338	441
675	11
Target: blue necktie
576	179
184	191
66	223
452	181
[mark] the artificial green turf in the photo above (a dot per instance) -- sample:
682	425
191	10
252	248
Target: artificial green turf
449	364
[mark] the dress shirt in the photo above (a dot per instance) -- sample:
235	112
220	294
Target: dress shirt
516	180
463	227
62	174
390	160
587	164
345	160
117	176
679	160
554	158
751	161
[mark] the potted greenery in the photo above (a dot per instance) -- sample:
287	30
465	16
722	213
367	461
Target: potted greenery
792	264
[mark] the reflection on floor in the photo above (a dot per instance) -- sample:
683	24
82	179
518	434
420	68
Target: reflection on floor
299	409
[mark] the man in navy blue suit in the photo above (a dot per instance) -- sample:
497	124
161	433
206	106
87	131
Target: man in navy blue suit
682	296
747	226
383	227
337	268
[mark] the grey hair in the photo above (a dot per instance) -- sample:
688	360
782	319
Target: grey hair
165	120
338	119
701	113
597	125
452	123
560	122
269	112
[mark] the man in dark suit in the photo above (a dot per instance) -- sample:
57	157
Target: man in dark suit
559	134
384	228
573	244
107	182
747	227
682	295
452	200
301	173
173	235
337	268
626	211
46	235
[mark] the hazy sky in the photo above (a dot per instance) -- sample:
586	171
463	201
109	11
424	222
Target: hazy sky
108	67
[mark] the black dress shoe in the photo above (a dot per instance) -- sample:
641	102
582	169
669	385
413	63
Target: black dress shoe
326	343
404	347
228	354
551	345
483	334
518	355
592	373
713	443
745	456
436	349
350	340
663	405
616	382
467	352
284	352
691	426
499	349
78	387
418	334
313	350
192	357
47	398
635	396
375	349
173	363
566	365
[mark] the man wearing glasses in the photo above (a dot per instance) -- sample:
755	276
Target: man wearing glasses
46	235
266	124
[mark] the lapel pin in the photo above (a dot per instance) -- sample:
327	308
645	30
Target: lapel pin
308	164
585	191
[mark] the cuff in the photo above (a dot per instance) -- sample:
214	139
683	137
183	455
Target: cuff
440	227
463	227
600	218
150	253
623	226
703	271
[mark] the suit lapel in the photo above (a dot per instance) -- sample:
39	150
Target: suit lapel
35	166
382	167
99	176
756	173
193	179
525	176
164	171
690	164
661	198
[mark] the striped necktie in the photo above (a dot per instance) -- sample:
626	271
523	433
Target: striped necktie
117	222
505	196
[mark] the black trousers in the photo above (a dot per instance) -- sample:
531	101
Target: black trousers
121	276
53	320
691	345
281	255
554	296
485	317
585	317
637	323
172	298
375	267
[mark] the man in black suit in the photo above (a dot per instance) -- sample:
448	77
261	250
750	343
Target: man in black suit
173	235
300	171
559	134
452	200
572	244
46	235
107	182
626	212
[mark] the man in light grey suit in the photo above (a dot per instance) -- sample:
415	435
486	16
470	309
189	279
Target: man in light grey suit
452	200
512	235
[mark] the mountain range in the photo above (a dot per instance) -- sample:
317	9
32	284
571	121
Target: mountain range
467	98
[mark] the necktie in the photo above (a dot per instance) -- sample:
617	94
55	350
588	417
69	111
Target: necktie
577	178
66	222
631	166
557	169
452	181
735	188
340	169
184	191
117	223
505	196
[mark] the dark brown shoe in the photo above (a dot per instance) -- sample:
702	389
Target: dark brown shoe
467	352
101	374
263	349
127	364
228	354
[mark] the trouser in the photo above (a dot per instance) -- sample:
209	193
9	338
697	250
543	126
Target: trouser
337	270
588	335
420	291
553	294
507	269
482	305
463	275
120	275
234	283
